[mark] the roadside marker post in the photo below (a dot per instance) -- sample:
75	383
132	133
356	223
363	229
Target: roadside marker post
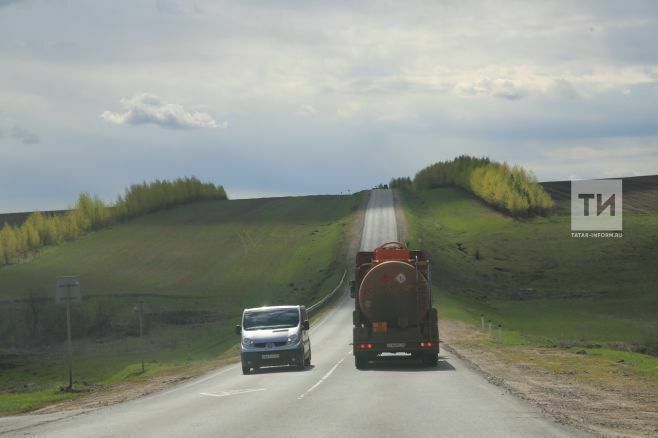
139	308
489	329
67	289
482	321
500	333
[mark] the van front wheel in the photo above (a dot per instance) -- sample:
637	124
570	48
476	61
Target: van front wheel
301	361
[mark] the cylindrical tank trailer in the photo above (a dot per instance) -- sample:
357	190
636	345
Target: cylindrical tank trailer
393	310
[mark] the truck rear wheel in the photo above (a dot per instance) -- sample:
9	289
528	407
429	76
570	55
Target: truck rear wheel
431	359
245	369
360	361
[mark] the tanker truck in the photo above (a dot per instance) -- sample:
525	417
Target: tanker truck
393	310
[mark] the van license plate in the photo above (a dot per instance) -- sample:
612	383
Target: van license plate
396	345
270	356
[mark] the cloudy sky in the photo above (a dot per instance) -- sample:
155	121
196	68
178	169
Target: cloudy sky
302	97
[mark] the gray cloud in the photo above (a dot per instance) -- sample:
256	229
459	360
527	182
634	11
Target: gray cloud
148	109
564	89
501	88
169	7
9	2
307	110
509	90
23	135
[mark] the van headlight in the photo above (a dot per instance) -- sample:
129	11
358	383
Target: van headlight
247	342
292	339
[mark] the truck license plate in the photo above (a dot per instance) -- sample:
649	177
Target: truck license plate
270	356
396	345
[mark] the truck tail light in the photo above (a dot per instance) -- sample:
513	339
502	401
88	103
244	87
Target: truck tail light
362	346
429	344
369	345
422	344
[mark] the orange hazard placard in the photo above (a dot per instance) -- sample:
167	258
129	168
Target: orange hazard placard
379	326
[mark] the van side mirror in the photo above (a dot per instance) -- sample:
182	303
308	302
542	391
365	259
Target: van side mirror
352	288
306	325
238	329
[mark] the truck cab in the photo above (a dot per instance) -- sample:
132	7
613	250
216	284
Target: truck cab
274	335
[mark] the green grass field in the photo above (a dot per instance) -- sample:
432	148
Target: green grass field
544	286
196	267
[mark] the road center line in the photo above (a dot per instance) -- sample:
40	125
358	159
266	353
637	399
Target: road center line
319	382
232	392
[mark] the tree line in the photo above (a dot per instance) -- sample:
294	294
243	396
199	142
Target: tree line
402	183
91	213
510	188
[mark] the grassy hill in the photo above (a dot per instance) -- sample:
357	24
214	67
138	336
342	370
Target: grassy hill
201	250
534	278
195	266
640	194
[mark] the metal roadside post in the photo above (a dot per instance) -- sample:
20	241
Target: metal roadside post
500	333
489	329
139	308
67	289
482	321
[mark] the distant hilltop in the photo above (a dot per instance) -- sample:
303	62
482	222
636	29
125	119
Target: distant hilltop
17	219
640	194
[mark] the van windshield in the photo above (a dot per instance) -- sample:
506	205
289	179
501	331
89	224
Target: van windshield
270	319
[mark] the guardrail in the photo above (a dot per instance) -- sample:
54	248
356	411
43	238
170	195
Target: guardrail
315	307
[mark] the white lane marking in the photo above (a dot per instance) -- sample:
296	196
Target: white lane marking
197	381
319	382
212	376
232	392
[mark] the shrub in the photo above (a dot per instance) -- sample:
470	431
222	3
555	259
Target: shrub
402	183
91	213
512	189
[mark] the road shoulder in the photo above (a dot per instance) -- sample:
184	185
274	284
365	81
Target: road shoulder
623	406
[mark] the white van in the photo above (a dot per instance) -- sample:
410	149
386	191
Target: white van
276	335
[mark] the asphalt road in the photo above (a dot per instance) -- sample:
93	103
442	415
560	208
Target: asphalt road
379	225
398	398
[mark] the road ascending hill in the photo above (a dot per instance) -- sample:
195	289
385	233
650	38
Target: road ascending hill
332	398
